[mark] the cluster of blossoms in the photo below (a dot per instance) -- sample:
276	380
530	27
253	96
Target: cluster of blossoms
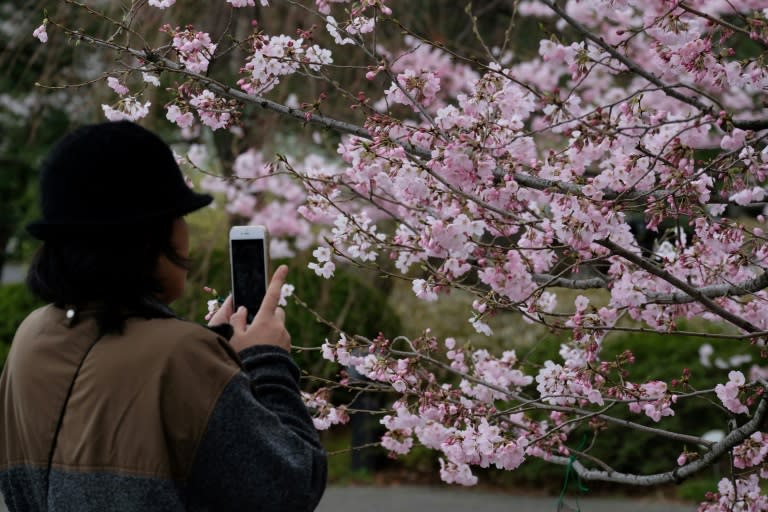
751	452
128	107
214	112
324	413
471	443
414	89
418	57
195	49
461	422
729	392
655	401
277	56
745	496
359	25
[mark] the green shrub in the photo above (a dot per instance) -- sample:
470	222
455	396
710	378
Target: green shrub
663	357
16	302
695	488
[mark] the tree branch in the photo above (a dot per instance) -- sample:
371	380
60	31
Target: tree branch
678	297
734	438
712	291
564	282
691	291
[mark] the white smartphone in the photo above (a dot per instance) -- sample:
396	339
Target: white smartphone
249	263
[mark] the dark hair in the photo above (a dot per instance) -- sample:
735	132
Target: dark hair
113	271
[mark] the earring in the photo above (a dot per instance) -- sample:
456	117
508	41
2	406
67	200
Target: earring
71	314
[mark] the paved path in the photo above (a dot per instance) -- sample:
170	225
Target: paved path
425	499
12	273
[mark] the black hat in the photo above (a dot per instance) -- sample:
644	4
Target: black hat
111	174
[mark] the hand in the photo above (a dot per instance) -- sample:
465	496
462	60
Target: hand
268	326
223	314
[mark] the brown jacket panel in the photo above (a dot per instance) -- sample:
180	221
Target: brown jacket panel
142	399
44	353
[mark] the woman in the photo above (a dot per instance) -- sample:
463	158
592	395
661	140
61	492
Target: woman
110	401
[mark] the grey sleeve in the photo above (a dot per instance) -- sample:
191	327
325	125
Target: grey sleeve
261	450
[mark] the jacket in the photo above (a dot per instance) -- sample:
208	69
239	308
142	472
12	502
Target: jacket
165	416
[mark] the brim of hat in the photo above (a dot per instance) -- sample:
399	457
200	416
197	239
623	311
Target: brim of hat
43	229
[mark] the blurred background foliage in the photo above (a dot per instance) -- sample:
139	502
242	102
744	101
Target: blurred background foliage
32	117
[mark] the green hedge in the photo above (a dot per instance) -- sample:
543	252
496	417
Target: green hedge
15	304
664	357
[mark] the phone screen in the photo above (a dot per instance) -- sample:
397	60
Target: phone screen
248	274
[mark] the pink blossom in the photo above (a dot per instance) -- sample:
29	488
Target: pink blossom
400	446
195	49
116	86
324	267
285	292
41	33
456	473
151	79
332	27
213	111
414	89
324	413
480	326
581	303
127	109
174	115
728	393
734	140
423	290
751	452
161	4
748	195
213	307
746	496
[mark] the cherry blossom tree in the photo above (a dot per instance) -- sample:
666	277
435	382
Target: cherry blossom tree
507	176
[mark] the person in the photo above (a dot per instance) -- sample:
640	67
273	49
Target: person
109	400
